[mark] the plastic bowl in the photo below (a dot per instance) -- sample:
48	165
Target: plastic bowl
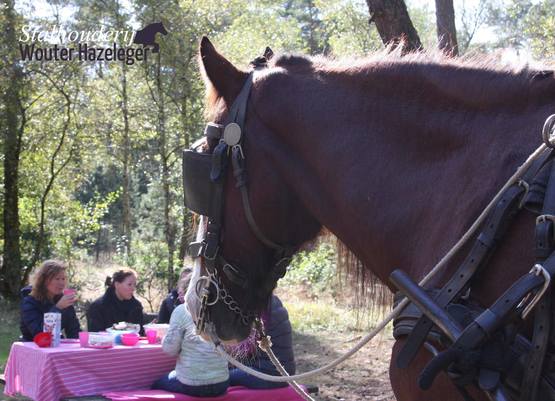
129	338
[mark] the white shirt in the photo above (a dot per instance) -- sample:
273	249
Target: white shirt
198	363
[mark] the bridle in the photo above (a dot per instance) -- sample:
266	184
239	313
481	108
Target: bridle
204	177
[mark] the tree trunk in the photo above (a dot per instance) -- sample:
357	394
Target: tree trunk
394	24
446	31
12	132
169	227
54	173
126	161
186	216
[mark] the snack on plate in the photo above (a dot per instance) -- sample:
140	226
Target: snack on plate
100	340
120	326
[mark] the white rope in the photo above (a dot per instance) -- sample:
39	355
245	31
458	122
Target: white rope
265	345
469	233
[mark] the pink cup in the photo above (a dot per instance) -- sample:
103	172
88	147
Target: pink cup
151	336
69	291
84	338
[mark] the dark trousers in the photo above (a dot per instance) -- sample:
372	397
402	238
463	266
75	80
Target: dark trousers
170	383
239	378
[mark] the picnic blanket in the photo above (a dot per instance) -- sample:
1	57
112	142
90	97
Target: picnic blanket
235	393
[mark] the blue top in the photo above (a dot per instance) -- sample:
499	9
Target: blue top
167	307
32	316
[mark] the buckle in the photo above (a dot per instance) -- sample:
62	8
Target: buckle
213	130
537	270
195	249
545	217
526	186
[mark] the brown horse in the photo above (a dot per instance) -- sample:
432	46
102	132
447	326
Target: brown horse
396	155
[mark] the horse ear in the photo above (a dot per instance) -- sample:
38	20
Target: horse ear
220	73
268	53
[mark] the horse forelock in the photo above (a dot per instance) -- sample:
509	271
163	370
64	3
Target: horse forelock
213	103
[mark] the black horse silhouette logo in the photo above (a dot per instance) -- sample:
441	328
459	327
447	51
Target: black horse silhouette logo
147	35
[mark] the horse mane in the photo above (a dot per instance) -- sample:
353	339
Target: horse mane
432	72
394	58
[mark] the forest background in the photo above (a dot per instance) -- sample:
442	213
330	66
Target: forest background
91	151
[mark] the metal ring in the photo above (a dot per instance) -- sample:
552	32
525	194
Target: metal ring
548	131
209	281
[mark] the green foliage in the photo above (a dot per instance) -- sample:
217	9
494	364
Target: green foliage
9	329
525	25
126	125
347	28
315	270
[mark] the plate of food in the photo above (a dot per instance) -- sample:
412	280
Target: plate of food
124	327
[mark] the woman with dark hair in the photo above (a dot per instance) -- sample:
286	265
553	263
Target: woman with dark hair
118	303
45	296
278	327
175	297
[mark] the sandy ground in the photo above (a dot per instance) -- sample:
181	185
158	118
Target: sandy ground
362	377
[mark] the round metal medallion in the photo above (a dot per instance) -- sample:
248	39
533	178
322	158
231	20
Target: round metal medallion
232	134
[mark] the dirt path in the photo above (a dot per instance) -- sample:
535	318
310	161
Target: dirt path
362	377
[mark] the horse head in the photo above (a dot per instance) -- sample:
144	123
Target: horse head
256	236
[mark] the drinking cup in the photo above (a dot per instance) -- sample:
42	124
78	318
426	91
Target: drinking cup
84	338
151	336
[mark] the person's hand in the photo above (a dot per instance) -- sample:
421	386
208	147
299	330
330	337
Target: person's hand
65	301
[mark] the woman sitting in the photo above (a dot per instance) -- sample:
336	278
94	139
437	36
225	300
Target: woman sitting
278	327
46	296
117	304
174	298
199	371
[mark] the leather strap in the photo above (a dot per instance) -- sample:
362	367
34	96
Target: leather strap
477	257
543	314
495	226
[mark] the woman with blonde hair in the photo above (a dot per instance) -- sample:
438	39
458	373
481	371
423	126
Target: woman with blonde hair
118	303
47	295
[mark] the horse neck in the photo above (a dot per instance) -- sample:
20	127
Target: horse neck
398	175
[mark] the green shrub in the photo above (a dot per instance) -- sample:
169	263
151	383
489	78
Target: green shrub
315	270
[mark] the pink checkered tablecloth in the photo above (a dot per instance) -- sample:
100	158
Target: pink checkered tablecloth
48	374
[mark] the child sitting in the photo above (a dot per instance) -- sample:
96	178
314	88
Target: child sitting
200	371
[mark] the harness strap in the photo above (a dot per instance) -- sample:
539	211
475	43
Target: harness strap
238	110
494	227
483	246
543	314
240	176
